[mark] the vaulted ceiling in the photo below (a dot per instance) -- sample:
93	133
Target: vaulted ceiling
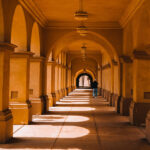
99	10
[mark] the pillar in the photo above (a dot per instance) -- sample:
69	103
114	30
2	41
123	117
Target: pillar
127	85
19	87
35	88
53	91
99	81
6	119
141	88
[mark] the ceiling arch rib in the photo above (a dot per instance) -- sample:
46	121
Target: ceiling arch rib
100	42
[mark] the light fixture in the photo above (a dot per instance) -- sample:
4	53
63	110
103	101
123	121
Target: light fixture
83	52
82	30
83	49
81	15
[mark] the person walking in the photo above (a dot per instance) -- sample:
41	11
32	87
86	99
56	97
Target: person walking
94	86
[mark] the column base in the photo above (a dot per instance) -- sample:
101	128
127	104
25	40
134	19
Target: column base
37	106
54	98
148	127
57	96
124	106
21	112
100	91
51	101
6	126
114	97
138	112
66	92
110	99
117	100
69	90
45	100
107	95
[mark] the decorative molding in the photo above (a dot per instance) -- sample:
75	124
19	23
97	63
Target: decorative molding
51	63
125	59
141	55
130	11
7	46
90	25
107	66
37	59
114	62
36	13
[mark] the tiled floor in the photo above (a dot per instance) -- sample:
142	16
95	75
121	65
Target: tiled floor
79	122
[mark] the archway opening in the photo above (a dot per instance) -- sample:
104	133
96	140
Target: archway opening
84	81
18	31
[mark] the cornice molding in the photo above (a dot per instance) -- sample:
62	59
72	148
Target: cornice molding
36	13
130	11
90	25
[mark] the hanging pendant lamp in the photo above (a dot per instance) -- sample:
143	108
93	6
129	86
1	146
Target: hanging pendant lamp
82	29
81	15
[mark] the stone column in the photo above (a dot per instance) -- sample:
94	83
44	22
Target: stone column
57	82
99	81
69	80
141	88
65	82
127	85
6	119
62	81
53	89
35	85
19	87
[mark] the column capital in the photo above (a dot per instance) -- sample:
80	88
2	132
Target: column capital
114	62
51	63
37	59
106	66
7	46
23	54
139	54
125	59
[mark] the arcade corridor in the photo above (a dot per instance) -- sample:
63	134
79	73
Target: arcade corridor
79	122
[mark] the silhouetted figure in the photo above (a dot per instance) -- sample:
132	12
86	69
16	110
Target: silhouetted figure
94	86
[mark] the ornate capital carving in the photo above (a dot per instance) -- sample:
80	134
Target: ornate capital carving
114	62
106	66
125	59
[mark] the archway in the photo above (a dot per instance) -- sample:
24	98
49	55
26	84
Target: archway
18	30
35	40
84	80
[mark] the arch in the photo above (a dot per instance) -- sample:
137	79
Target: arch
83	71
83	74
1	23
105	45
35	40
18	30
